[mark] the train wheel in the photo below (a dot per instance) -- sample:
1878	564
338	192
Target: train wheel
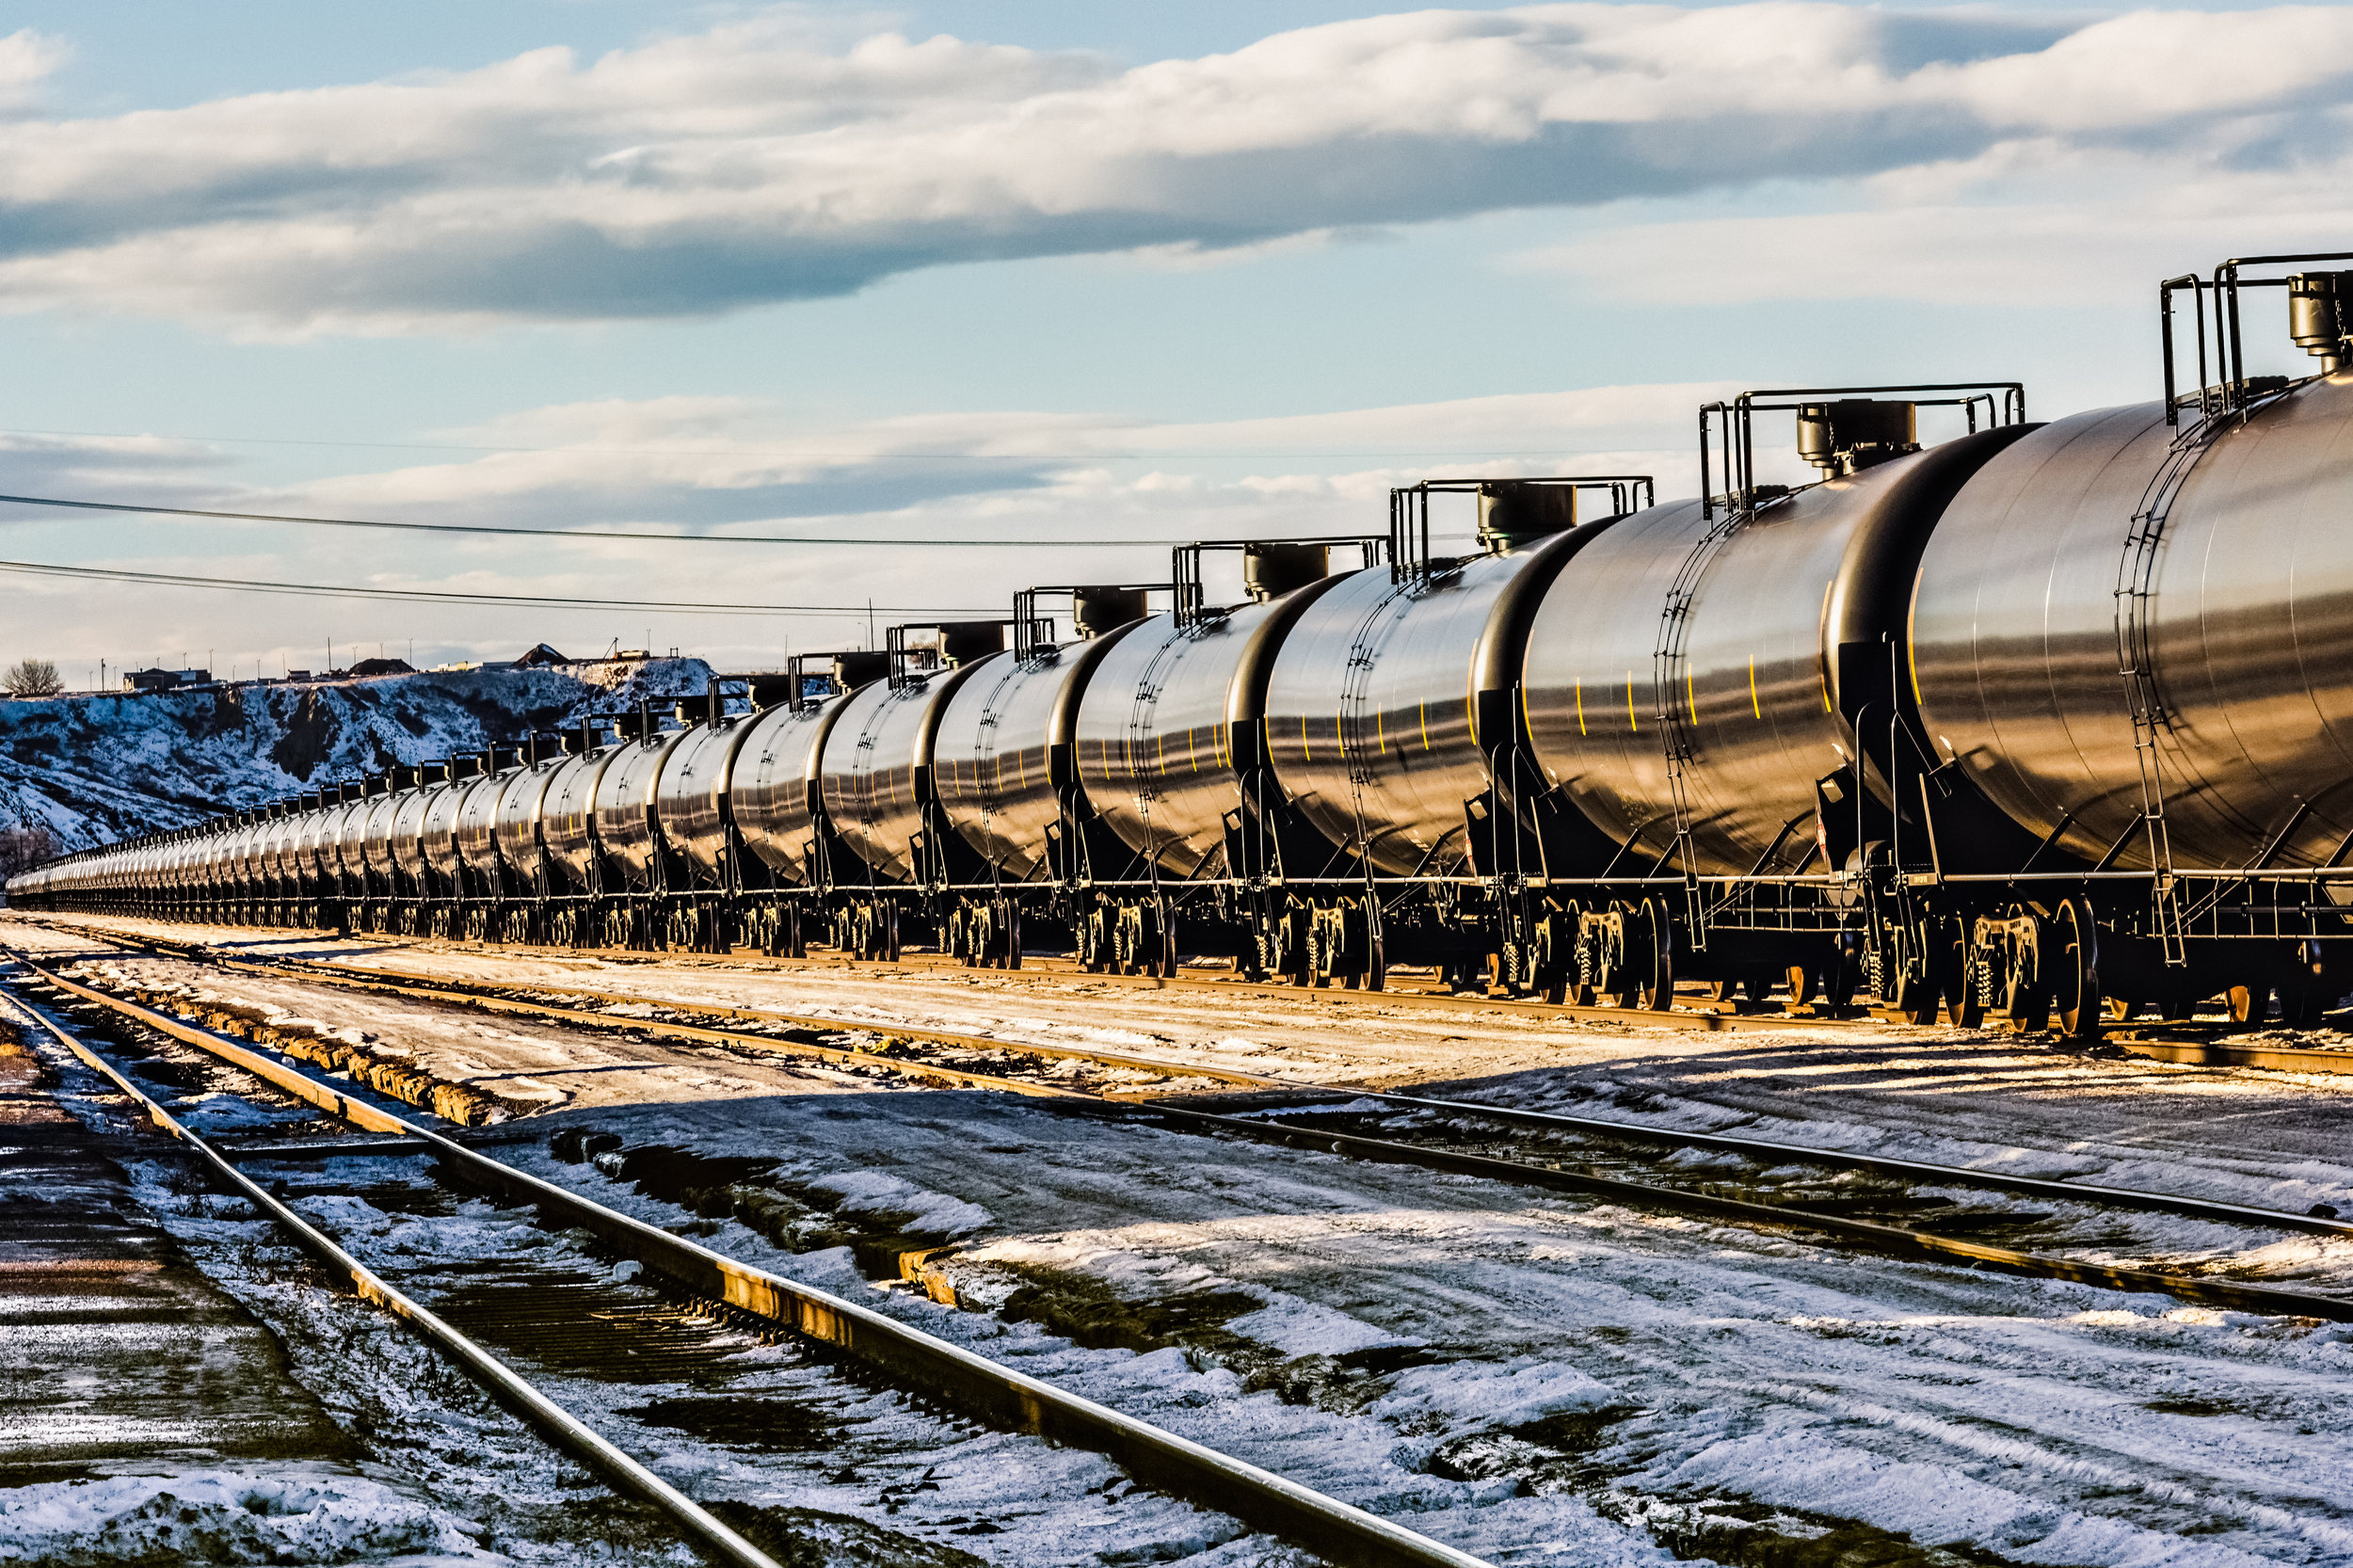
1655	991
1800	983
2075	985
2303	1006
2249	1004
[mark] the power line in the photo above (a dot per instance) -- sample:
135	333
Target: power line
865	454
578	533
452	596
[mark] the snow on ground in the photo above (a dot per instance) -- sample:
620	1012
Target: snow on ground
94	769
1690	1364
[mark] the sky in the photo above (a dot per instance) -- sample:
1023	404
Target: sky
946	299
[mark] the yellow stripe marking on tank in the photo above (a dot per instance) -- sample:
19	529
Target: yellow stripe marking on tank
1381	731
1304	754
1580	707
1631	722
1425	724
1690	698
1753	703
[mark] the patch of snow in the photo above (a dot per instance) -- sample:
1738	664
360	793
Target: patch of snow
227	1516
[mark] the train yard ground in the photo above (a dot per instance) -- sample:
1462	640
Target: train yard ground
1526	1375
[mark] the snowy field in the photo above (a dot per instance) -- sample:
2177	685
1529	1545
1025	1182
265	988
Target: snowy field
1533	1378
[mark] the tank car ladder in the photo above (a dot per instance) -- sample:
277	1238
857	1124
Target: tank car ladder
1670	669
2135	590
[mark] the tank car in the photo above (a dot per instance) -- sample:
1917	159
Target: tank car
1393	732
2135	638
1177	815
1710	685
1004	772
775	808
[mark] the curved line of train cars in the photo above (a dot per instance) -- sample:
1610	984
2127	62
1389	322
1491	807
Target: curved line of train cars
2050	720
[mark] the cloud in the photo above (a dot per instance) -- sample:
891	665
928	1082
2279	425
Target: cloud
725	465
28	60
755	162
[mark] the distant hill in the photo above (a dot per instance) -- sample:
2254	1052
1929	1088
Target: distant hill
94	769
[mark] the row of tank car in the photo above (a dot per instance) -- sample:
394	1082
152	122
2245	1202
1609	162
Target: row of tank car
2048	721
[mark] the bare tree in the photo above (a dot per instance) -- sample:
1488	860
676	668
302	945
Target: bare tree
32	678
23	848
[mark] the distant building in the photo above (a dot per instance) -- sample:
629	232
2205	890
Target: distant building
297	674
164	680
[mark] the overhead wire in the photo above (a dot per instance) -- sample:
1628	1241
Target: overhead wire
581	533
453	595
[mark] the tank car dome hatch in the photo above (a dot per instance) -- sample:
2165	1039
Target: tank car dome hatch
2320	317
1846	436
1514	512
853	670
1096	610
1271	571
964	641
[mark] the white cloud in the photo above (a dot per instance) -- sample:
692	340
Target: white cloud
734	466
28	60
754	162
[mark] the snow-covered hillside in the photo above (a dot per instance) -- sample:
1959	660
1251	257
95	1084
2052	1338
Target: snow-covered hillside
94	769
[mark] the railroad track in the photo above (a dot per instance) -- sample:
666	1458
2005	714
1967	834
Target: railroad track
1290	1115
832	1326
1068	972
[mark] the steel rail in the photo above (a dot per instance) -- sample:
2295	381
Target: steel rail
1767	1149
1705	1022
1160	1459
551	1420
498	995
1893	1240
2265	1300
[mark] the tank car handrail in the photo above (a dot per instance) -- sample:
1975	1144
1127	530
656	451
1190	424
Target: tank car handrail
1739	457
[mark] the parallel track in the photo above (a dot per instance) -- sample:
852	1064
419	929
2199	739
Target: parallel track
1890	1240
1772	1151
510	1387
970	1383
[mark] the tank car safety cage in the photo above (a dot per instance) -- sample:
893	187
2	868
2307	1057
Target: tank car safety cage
1511	513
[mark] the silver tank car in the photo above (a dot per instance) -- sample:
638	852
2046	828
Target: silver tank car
441	826
2246	620
993	757
871	765
342	855
1374	710
774	785
408	829
1755	696
519	816
626	829
478	824
691	796
1155	736
567	814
